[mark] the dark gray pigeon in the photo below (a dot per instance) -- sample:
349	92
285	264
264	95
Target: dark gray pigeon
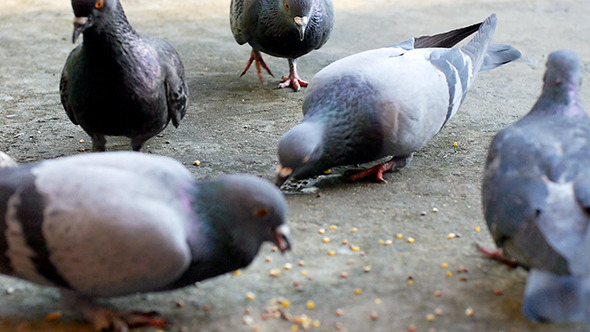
536	196
117	82
119	223
283	28
386	102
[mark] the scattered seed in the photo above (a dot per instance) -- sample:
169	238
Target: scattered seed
326	239
354	230
469	312
296	283
438	293
318	195
410	282
434	210
287	266
268	259
438	311
248	310
422	213
180	303
310	305
381	242
388	242
350	262
333	227
411	240
53	317
355	248
275	273
316	323
338	326
461	269
462	279
455	144
339	312
81	141
331	253
377	301
344	242
321	231
412	328
477	229
327	171
399	236
301	263
9	290
197	162
430	317
344	275
367	269
498	291
449	274
432	329
250	296
374	316
286	303
358	291
444	265
294	328
82	150
451	236
247	320
207	307
237	272
304	273
274	249
363	253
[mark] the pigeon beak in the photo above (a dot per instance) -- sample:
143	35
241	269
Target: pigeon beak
80	24
283	174
301	23
282	239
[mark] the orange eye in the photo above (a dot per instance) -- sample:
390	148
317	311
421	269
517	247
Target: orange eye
286	5
262	212
99	4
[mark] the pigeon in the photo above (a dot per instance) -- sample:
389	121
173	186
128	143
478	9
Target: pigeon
117	82
388	102
281	28
6	160
111	224
536	196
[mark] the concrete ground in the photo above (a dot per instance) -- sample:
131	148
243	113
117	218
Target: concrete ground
233	125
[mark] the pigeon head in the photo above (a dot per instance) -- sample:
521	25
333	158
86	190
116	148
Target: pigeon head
247	210
299	11
90	12
563	68
299	150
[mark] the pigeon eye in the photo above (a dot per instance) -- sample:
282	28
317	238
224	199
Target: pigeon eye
286	5
99	4
262	212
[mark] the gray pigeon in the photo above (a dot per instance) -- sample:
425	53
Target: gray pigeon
117	82
536	196
386	102
119	223
6	161
283	28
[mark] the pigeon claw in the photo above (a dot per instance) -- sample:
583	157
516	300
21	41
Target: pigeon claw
293	81
497	255
256	57
109	320
375	170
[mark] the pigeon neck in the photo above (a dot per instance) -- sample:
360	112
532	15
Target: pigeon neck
110	32
560	99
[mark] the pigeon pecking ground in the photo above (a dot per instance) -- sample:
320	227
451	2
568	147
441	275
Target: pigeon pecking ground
233	125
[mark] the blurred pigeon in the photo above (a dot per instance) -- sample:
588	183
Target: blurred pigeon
118	223
118	82
386	102
536	196
282	28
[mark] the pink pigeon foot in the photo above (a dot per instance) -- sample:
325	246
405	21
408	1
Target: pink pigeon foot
497	255
256	57
293	80
394	164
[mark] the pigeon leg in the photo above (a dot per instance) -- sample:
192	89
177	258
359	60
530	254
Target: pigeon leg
98	143
394	164
137	143
256	57
497	255
293	80
106	319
